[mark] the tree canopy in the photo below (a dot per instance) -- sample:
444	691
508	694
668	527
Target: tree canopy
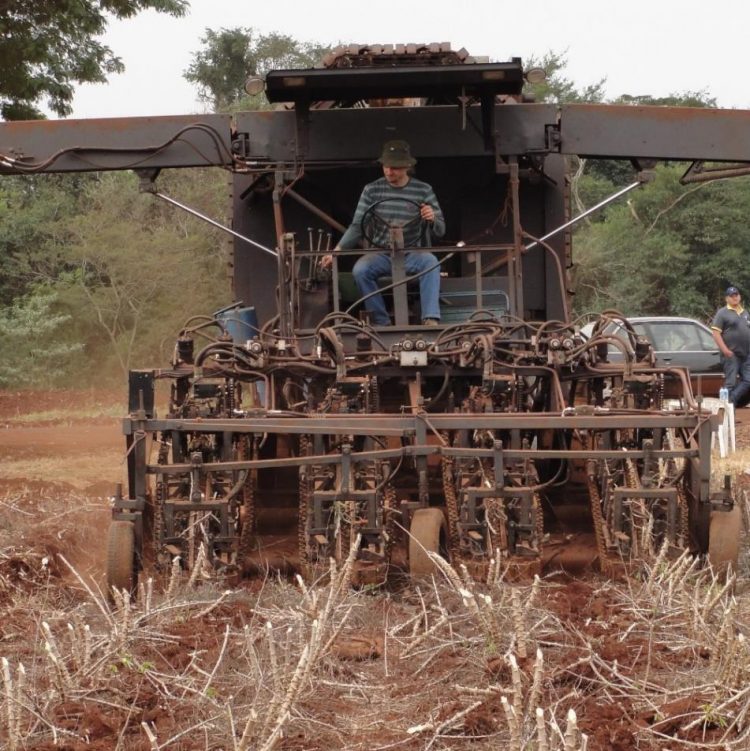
557	87
228	56
47	46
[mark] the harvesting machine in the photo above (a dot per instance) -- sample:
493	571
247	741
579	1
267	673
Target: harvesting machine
296	428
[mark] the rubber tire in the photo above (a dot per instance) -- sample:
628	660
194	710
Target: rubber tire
428	530
121	572
724	540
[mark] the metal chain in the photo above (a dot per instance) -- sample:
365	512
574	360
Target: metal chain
538	521
596	508
597	516
161	495
683	523
247	508
305	498
451	504
389	509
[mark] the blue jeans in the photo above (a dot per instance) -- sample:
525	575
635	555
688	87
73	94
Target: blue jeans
372	266
737	367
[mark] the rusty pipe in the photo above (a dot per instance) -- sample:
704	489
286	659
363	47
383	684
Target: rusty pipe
327	218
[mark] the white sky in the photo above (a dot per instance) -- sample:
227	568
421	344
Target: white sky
655	47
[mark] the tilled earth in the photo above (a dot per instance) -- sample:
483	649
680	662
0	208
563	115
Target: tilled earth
197	665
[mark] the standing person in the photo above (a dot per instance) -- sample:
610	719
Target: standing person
396	183
731	330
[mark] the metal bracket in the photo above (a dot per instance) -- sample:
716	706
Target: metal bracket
147	179
241	145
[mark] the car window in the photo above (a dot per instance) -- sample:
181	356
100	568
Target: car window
680	336
706	339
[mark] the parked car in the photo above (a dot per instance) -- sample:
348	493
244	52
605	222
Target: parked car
676	341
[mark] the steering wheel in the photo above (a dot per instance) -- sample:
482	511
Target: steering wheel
374	225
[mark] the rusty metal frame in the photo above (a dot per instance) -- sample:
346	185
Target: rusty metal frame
698	173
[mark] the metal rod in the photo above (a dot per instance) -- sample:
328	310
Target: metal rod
213	222
515	265
578	218
425	449
314	209
278	214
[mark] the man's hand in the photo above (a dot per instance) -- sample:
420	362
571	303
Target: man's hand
721	344
327	260
427	212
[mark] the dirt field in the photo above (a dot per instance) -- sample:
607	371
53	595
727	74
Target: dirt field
660	661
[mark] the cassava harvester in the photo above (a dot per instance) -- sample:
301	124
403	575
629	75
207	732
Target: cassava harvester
295	427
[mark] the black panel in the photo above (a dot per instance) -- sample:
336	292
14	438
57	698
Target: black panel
357	134
485	79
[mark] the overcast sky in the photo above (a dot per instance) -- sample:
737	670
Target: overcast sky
653	47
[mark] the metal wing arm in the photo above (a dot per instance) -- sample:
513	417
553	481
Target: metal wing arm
647	132
149	143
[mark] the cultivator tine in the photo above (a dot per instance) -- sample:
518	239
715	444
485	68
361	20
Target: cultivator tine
639	511
357	501
496	513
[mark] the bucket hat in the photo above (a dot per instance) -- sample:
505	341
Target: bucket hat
397	154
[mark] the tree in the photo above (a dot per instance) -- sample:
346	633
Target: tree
685	99
92	272
669	249
557	87
136	269
30	235
46	46
229	56
32	351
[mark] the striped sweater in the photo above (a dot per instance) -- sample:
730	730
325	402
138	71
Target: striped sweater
395	212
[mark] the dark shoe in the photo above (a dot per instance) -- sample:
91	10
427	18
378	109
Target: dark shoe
431	322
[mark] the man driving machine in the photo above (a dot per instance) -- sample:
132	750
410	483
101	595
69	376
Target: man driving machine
396	204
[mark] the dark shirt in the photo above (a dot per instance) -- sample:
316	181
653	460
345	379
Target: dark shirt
734	326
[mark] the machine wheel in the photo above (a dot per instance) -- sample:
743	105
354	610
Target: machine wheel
724	539
428	533
121	572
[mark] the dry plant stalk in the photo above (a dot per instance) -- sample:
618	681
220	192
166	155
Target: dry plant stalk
515	675
198	564
514	725
480	605
541	731
151	735
146	595
13	695
264	730
519	626
571	740
535	695
62	679
174	577
419	639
